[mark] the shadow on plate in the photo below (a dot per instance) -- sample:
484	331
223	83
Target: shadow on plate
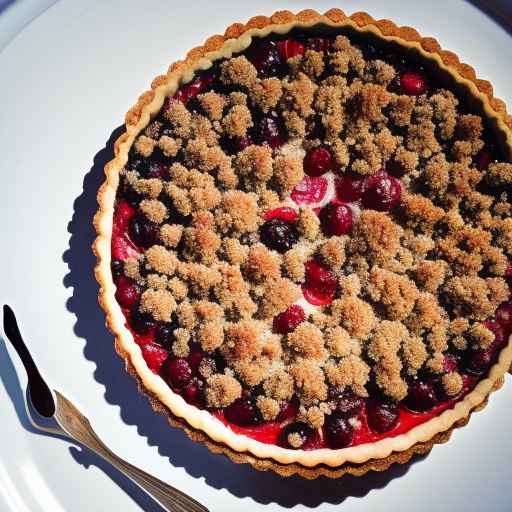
499	10
121	389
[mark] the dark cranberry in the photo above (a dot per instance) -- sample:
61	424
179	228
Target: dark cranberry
320	284
193	393
154	169
154	355
413	84
284	213
141	323
242	412
290	48
288	411
243	142
504	315
318	161
279	235
421	396
164	334
195	356
318	44
478	361
350	188
267	130
498	330
382	416
508	274
178	372
309	190
450	363
298	429
382	192
266	57
289	320
132	198
143	232
338	431
117	267
127	293
336	219
349	404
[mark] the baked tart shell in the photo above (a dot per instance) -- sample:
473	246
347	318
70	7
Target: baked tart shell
200	425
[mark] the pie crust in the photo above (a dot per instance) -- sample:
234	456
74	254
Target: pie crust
202	426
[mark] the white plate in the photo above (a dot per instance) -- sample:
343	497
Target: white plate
67	80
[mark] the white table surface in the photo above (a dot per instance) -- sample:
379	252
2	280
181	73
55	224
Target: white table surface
69	72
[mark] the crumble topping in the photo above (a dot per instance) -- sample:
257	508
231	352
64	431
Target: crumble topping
412	281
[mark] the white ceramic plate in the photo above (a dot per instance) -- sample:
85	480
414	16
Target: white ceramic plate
67	79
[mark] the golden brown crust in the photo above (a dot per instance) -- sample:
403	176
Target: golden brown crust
135	119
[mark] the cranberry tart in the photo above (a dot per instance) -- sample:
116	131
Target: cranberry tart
304	243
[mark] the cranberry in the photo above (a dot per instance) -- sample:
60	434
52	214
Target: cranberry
318	161
450	363
195	87
154	355
279	235
164	334
318	44
243	142
498	330
242	412
304	431
349	404
154	169
284	213
124	212
141	323
382	192
421	396
338	431
267	130
266	57
483	159
127	293
508	273
193	393
132	197
290	48
336	219
309	190
289	320
178	372
413	84
143	232
320	284
350	188
382	416
504	315
194	358
288	411
479	360
117	268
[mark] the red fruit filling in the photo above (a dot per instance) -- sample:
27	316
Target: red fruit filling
290	48
413	84
336	219
194	88
309	190
320	284
289	320
284	213
154	355
318	161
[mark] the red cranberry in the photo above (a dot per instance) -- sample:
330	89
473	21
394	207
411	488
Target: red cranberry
338	431
266	57
194	88
290	48
382	192
413	84
483	159
320	284
193	393
279	235
498	330
244	142
242	412
143	232
289	320
154	355
127	293
267	130
141	323
284	213
382	416
288	411
349	404
304	431
178	372
350	188
194	358
309	190
450	363
336	219
117	268
318	161
421	396
504	315
124	212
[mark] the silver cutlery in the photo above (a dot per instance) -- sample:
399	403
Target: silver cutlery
73	424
